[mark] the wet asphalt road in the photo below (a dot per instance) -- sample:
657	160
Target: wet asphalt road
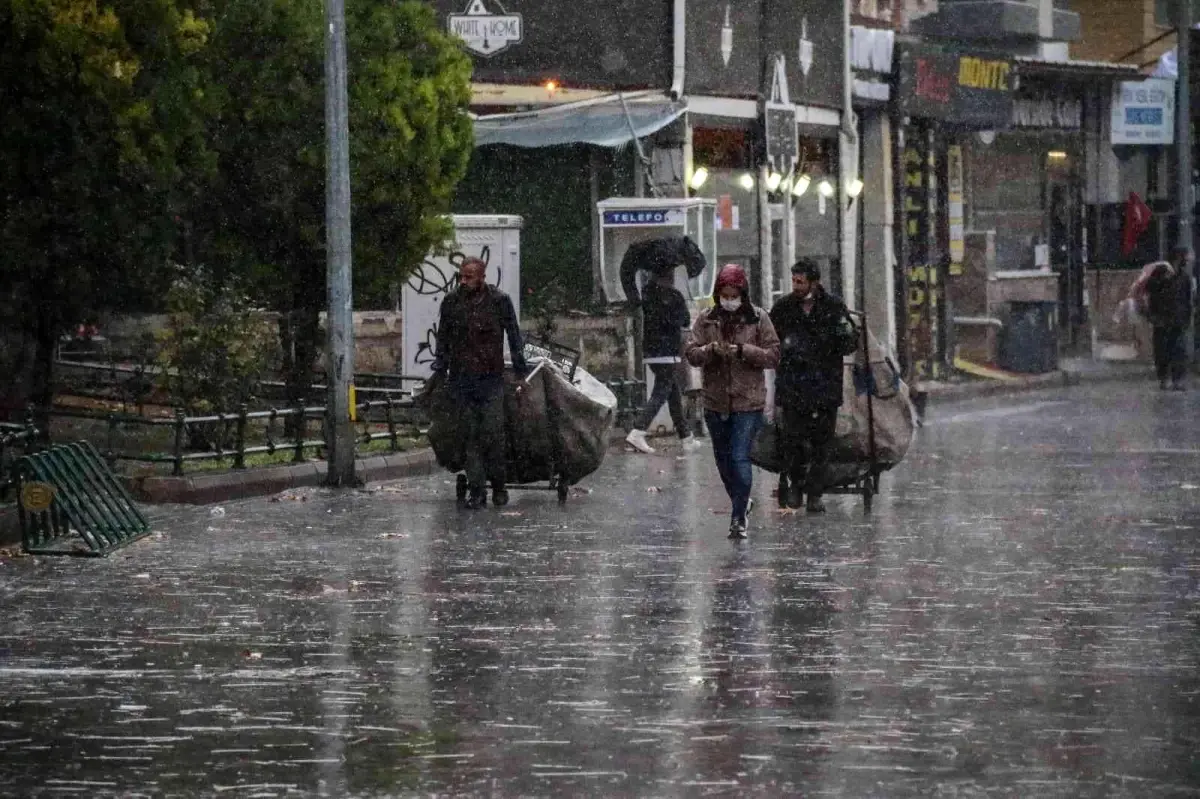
1019	617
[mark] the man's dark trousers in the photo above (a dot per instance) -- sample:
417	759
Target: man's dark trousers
481	400
1170	355
806	437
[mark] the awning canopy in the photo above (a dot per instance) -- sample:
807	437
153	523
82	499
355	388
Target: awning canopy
1079	70
607	122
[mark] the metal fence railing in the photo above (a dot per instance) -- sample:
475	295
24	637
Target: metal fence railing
388	412
232	437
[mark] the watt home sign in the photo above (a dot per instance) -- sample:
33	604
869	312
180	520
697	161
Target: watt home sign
484	32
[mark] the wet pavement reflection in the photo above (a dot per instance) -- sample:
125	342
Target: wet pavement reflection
1019	616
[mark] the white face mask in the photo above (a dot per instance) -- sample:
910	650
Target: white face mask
731	305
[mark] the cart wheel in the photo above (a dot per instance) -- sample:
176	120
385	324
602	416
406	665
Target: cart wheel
563	490
460	487
868	494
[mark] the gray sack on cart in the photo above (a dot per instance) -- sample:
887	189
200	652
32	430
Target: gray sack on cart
552	428
894	413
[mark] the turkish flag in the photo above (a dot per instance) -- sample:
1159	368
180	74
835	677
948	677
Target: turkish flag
1137	222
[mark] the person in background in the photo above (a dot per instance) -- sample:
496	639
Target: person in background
474	320
815	332
733	343
665	318
1164	292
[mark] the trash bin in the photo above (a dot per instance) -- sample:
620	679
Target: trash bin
1029	339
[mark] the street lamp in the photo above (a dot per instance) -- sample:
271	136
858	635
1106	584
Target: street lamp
699	178
801	185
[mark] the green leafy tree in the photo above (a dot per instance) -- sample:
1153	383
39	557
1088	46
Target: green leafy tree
97	124
215	349
263	214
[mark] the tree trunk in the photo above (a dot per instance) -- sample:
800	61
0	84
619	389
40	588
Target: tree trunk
41	393
305	324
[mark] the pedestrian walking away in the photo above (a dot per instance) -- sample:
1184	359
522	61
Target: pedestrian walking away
1164	293
474	320
665	319
733	343
815	332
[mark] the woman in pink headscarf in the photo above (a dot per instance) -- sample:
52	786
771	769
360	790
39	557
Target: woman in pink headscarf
734	343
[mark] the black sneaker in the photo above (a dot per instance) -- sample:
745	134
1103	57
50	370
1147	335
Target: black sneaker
499	497
477	500
737	530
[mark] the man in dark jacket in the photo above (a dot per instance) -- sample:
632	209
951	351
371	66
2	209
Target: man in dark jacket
815	332
474	320
665	317
1169	306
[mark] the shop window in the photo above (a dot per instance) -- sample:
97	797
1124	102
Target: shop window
722	148
1007	180
1007	196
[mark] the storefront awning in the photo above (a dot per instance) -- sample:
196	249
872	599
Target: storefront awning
607	122
1081	70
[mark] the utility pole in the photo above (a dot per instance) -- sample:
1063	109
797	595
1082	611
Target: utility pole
339	350
1183	125
1183	141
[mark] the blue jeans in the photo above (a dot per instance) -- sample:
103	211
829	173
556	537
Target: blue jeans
732	437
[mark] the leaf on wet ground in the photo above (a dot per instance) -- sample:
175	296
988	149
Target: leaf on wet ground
392	535
511	513
654	490
252	655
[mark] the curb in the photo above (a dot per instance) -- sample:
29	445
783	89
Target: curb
205	489
1062	378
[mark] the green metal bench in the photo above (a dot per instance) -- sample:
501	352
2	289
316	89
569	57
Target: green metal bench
70	487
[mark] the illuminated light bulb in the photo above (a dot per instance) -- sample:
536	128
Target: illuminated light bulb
802	184
699	178
826	188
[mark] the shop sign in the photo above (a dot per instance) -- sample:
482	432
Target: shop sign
924	290
924	293
643	218
783	148
1048	112
486	33
958	88
1143	112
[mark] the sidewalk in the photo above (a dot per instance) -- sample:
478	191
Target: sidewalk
1071	372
